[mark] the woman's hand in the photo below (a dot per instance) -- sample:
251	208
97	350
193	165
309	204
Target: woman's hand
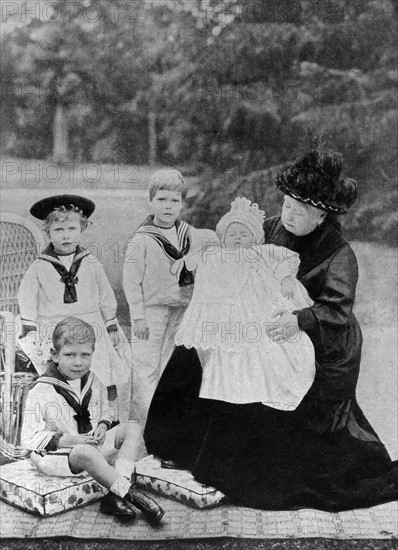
285	328
141	329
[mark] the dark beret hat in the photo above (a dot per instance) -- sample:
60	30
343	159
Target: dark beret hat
44	207
315	179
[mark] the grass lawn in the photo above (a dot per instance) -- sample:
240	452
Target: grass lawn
121	206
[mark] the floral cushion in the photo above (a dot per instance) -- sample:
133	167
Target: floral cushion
25	487
177	484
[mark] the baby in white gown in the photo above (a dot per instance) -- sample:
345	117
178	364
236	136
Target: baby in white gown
239	285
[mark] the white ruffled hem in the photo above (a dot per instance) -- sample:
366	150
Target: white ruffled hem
278	375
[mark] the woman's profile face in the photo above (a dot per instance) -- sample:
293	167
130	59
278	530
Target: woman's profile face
298	218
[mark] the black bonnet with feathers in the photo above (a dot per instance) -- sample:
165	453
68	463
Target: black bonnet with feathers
315	179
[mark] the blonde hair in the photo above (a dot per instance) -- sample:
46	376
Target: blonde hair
169	180
72	331
62	213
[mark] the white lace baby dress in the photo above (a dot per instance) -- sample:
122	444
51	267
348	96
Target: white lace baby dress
235	295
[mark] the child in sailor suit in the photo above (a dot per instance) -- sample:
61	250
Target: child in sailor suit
67	280
157	284
67	424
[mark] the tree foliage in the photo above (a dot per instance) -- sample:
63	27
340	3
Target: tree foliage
234	85
255	84
88	62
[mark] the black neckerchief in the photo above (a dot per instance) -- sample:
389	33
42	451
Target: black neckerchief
67	277
313	248
150	229
54	378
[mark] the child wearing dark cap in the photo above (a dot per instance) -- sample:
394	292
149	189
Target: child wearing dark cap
67	280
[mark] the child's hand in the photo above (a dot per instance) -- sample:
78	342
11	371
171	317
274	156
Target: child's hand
115	338
67	440
32	338
141	329
288	286
100	433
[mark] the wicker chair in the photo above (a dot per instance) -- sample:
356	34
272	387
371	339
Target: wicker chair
21	241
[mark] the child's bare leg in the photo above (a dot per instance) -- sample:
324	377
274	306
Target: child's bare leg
130	442
86	457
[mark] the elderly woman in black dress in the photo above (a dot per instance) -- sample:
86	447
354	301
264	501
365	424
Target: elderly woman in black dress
324	454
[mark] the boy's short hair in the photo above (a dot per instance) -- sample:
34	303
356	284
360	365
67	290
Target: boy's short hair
169	180
72	331
62	213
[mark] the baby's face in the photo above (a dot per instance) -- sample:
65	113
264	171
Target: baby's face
238	235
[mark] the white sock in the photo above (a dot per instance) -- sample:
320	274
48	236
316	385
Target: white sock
120	487
125	466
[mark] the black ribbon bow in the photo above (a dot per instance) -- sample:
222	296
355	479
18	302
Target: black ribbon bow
83	419
82	415
186	277
69	278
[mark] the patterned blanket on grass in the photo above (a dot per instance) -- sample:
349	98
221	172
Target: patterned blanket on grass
182	522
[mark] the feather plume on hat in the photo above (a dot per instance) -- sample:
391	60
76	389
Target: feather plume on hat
315	179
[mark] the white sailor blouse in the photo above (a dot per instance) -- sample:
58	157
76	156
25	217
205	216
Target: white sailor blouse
49	293
154	271
53	409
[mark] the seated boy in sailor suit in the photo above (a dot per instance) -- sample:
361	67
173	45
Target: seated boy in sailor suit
67	425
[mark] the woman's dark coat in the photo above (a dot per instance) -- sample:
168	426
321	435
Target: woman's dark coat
329	272
324	454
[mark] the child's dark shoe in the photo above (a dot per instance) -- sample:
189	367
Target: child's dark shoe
151	509
116	506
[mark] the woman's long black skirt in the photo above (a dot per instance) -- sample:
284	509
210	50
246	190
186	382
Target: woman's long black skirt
261	457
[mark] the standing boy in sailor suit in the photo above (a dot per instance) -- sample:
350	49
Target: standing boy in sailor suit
157	284
67	280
